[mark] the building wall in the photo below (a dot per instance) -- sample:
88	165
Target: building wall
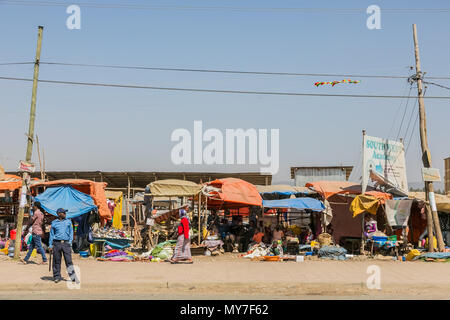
304	175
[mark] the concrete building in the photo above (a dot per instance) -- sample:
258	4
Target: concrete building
302	175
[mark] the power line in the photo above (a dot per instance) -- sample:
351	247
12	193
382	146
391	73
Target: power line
230	71
14	63
414	126
217	90
396	114
226	8
404	113
436	84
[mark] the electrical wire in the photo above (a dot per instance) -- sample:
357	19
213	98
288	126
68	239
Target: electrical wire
230	71
436	84
396	114
216	90
414	126
14	63
225	8
404	114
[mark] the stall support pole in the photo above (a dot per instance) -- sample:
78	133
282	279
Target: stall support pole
199	216
363	238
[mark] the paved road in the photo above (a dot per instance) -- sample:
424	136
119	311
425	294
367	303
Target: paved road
229	277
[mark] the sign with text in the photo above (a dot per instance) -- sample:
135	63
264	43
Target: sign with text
27	167
431	174
386	158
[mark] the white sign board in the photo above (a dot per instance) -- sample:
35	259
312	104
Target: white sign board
431	174
27	167
386	158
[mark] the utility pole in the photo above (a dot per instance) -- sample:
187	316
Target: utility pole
30	137
432	216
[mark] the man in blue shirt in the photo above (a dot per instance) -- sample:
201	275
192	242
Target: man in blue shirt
60	243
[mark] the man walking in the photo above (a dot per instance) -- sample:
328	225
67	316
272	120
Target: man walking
36	233
60	243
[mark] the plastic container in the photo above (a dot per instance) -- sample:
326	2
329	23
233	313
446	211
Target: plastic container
308	253
84	254
412	254
299	259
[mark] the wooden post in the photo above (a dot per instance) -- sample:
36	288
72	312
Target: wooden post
39	156
199	216
30	137
363	237
426	157
128	202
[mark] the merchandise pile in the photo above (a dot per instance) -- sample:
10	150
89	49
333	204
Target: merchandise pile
117	255
163	251
112	234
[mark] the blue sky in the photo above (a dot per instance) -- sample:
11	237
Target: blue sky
91	128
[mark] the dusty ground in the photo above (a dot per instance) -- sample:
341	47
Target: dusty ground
228	277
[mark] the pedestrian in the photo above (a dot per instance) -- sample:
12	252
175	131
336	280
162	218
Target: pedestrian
37	233
60	243
182	250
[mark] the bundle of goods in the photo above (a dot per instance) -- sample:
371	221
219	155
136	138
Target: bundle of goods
117	255
333	252
256	251
164	250
111	234
325	239
434	256
213	246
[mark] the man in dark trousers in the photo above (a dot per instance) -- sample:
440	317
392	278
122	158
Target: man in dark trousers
60	243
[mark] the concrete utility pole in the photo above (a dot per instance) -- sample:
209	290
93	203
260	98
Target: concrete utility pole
432	216
29	146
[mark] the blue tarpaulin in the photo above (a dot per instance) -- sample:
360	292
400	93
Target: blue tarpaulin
68	198
296	203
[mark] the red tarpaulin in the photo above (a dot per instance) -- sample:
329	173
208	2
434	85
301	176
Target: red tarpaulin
330	188
232	193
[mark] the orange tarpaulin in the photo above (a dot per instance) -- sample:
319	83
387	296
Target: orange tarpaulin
330	188
95	189
233	193
10	182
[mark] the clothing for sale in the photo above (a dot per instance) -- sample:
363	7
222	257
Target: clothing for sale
61	230
83	224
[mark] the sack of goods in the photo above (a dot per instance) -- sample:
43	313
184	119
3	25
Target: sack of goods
325	239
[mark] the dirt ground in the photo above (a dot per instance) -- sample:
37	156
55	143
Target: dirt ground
228	277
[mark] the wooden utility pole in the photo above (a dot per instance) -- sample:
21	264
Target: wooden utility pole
25	177
432	216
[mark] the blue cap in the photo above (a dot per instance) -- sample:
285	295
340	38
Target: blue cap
61	210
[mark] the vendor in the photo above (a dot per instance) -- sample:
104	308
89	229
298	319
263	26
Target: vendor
258	236
278	233
370	226
276	248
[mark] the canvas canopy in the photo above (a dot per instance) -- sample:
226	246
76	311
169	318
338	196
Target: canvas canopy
283	189
442	201
174	188
330	188
95	189
68	198
231	193
10	182
296	203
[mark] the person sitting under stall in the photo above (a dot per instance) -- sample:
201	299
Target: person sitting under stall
276	249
